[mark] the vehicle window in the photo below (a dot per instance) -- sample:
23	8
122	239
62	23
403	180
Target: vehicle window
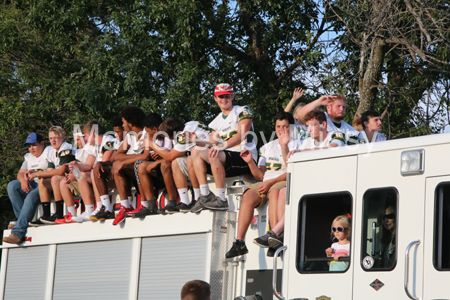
441	255
319	249
380	214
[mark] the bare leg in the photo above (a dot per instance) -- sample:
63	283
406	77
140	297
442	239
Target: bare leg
218	169
55	186
273	208
192	175
178	176
45	186
200	159
66	193
86	191
123	184
166	170
250	200
146	186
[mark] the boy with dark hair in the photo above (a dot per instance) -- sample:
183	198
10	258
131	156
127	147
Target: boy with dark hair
185	137
154	172
122	168
271	169
196	290
233	125
372	126
23	192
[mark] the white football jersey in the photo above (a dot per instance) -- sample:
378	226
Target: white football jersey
82	154
54	157
227	126
345	128
271	157
337	138
201	131
378	137
135	145
300	132
108	143
39	163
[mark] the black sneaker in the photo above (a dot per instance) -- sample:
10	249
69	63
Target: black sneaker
50	220
262	241
144	212
102	215
170	209
238	248
271	252
186	208
36	223
276	242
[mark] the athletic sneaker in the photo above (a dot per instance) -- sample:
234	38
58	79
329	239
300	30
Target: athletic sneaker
65	220
12	239
144	212
122	214
81	218
262	241
36	223
238	248
183	208
216	204
12	224
136	210
276	242
51	220
202	199
102	215
170	209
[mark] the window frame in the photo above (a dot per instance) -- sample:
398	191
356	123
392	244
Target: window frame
437	239
300	245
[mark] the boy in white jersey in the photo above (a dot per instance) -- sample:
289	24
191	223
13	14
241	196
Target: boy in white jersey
301	131
121	171
61	154
320	137
185	137
97	148
272	170
336	107
23	192
372	126
233	125
153	172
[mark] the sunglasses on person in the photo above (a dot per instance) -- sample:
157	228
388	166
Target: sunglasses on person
389	216
340	229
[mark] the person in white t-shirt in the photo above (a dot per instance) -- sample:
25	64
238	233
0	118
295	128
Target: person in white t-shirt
336	107
271	169
301	131
372	126
185	137
61	154
233	125
97	147
121	173
23	192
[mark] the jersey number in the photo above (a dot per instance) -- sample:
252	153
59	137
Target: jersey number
273	166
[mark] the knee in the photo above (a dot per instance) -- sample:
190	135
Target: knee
175	166
166	167
13	185
142	169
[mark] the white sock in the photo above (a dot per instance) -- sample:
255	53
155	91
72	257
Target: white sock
99	206
106	203
72	210
184	197
125	203
204	189
89	208
196	194
221	194
145	204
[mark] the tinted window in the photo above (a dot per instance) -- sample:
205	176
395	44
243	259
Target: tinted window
380	213
441	253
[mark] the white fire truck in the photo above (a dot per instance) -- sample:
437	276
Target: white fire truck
407	181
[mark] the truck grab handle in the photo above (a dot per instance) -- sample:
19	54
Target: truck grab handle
407	269
274	274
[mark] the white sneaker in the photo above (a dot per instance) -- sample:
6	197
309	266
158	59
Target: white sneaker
81	218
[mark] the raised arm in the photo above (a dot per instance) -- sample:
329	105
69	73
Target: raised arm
298	93
322	101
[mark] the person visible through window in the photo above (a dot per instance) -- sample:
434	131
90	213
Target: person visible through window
387	237
340	231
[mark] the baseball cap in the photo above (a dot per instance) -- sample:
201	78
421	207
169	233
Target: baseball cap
33	138
223	89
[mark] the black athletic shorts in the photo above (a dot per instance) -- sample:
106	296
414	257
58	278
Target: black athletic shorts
234	164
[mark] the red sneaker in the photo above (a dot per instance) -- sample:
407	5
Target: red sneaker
138	209
122	214
65	220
